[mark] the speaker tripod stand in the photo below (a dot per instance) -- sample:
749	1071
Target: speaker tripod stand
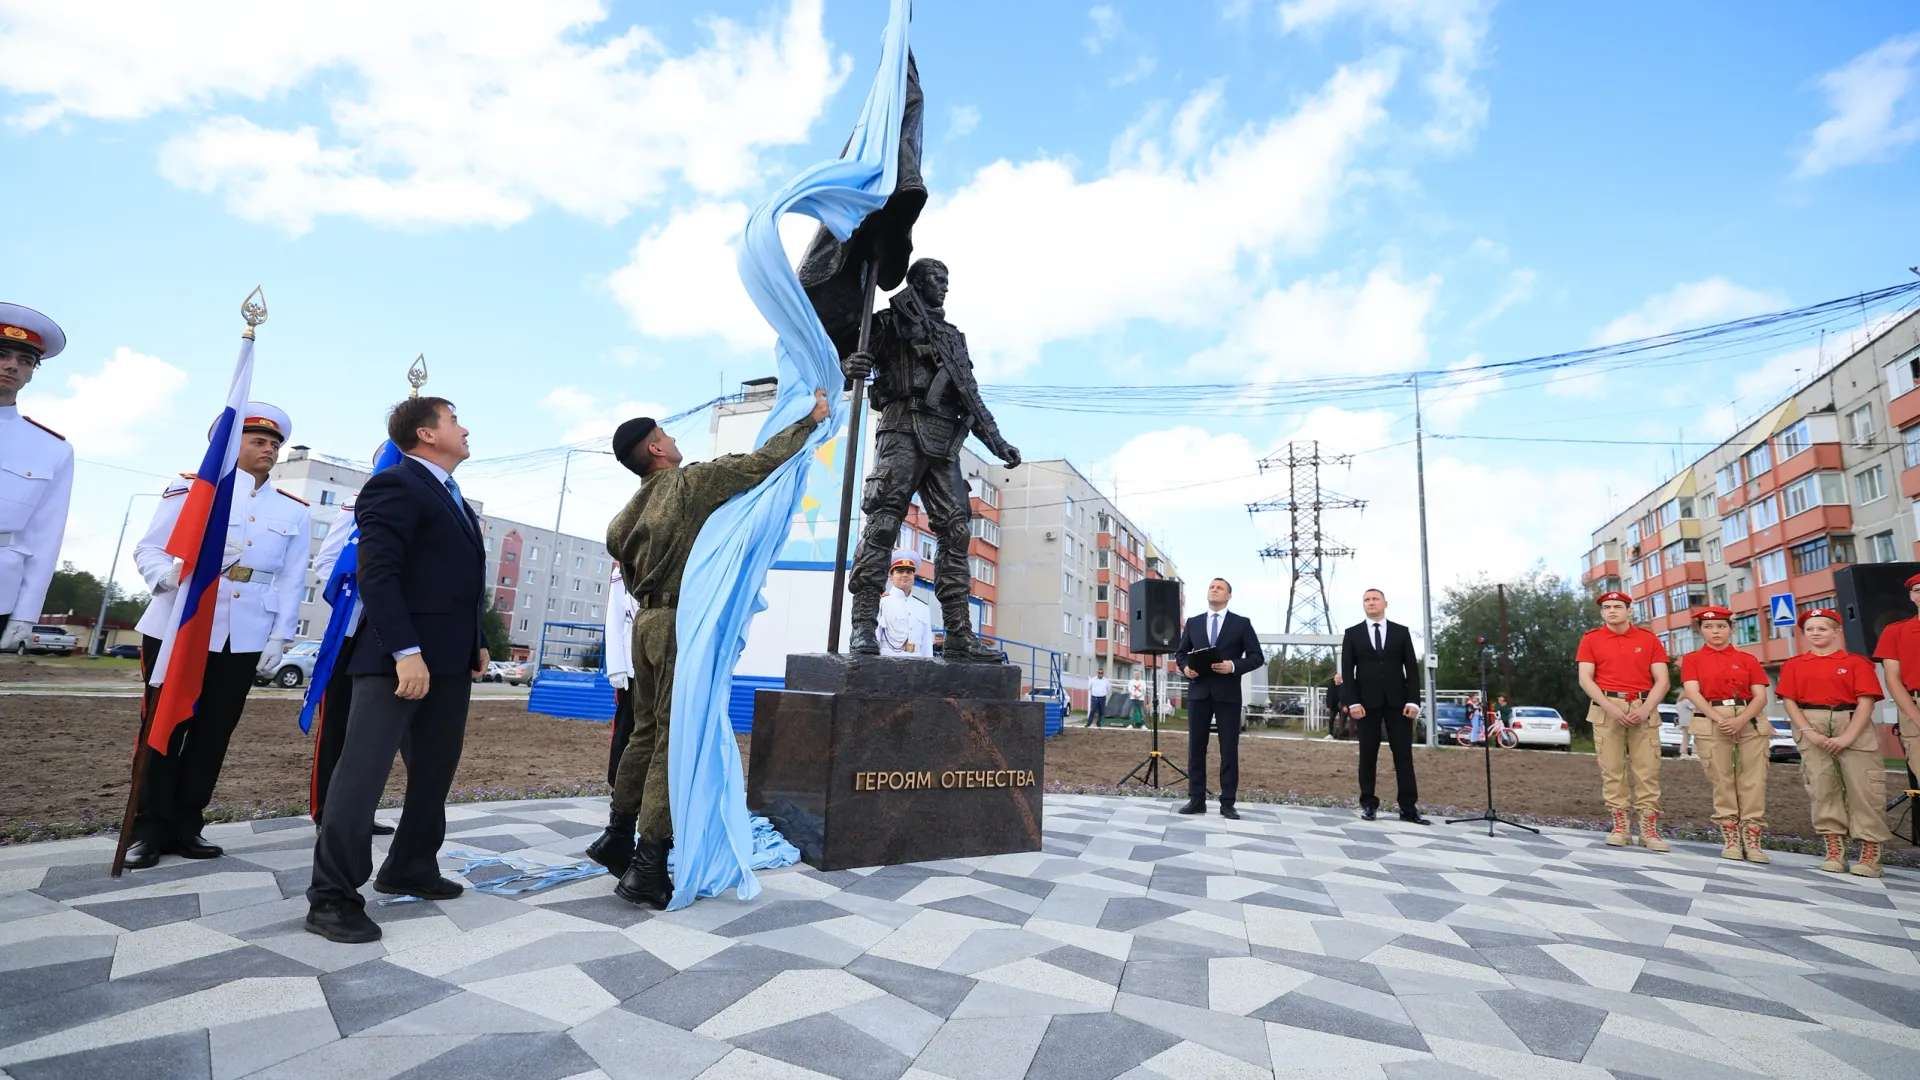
1147	773
1489	815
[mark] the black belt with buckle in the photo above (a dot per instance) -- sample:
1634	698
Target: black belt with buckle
1733	701
1624	695
650	600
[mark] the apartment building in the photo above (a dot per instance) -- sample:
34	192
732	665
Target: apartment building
534	575
1830	476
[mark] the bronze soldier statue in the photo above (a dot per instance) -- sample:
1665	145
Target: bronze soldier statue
928	403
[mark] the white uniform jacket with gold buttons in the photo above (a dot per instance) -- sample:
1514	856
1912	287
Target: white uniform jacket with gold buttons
906	625
267	530
36	480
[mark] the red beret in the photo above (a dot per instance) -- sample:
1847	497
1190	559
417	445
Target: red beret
1820	611
1706	613
1912	581
1614	595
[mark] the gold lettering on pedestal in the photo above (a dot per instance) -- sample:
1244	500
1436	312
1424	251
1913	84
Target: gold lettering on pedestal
923	780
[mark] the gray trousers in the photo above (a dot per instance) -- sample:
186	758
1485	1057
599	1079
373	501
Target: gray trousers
436	726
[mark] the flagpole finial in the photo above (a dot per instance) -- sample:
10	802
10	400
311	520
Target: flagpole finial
417	374
254	310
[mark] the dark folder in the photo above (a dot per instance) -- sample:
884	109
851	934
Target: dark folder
1204	659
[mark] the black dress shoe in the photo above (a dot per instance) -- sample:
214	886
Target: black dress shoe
1368	813
196	847
1193	808
1227	811
342	922
143	853
646	881
1413	817
382	830
435	888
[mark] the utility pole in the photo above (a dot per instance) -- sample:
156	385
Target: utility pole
1431	660
106	594
565	468
1506	652
1306	546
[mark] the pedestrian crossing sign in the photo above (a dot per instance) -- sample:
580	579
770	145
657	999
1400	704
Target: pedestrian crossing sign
1782	606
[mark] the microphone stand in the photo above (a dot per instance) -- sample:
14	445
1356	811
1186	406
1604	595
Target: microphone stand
1489	815
1148	771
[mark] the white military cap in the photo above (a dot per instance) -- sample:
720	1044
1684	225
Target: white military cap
28	327
262	417
904	557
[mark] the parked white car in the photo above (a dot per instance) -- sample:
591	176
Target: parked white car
49	639
1537	725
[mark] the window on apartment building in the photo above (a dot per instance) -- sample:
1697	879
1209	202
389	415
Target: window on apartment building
1870	485
1746	630
576	584
1719	595
1677	598
1102	561
300	628
1657	604
553	581
598	586
1730	477
985	529
1860	426
1100	593
1770	568
599	566
1633	534
1903	372
1676	553
579	562
927	547
523	624
1066	622
1794	439
907	538
1120	601
1068	538
309	598
1820	553
488	544
1910	445
1759	459
1068	504
981	569
526	601
1100	629
320	529
533	554
1066	584
328	498
506	580
1670	511
1713	550
573	608
1733	527
1639	611
552	602
1634	574
986	614
1880	548
1652	563
593	611
1105	522
511	556
1764	514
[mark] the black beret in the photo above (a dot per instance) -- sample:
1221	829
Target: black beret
629	435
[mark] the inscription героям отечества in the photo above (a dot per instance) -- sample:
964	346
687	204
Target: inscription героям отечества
926	779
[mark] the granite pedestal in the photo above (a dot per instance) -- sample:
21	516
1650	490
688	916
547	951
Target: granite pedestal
874	761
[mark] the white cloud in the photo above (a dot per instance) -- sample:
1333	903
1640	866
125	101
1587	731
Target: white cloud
1325	325
1106	27
441	112
683	278
1519	290
586	416
1448	406
104	413
1869	122
962	120
1161	236
1689	304
1455	29
1143	67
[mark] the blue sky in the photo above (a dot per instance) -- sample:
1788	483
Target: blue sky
540	198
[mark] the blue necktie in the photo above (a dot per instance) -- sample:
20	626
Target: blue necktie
455	490
1213	629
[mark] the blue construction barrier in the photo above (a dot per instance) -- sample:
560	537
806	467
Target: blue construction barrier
1056	718
740	702
574	695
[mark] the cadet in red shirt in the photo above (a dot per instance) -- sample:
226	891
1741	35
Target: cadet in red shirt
1899	654
1623	670
1728	689
1829	694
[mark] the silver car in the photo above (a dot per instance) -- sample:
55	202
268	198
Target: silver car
296	666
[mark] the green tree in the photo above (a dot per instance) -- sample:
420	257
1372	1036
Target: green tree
78	592
1546	616
495	625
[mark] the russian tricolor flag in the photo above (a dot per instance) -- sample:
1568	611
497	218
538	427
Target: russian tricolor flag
199	540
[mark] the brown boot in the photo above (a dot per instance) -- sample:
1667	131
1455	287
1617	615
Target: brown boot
1619	836
1755	853
1836	853
1869	864
1730	836
1650	831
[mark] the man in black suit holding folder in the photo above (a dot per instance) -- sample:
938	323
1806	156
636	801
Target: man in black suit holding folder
1380	688
1224	647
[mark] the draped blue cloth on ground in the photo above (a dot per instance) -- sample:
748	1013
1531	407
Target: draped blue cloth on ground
714	836
342	588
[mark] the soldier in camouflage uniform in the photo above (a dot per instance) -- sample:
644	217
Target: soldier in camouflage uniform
928	403
650	538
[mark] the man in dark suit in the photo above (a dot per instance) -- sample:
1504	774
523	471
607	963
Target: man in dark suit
422	571
1213	695
1380	687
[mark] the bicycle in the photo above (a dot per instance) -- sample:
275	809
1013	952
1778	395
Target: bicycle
1498	732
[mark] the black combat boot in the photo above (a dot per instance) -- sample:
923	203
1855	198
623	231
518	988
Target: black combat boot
962	643
861	638
614	848
646	881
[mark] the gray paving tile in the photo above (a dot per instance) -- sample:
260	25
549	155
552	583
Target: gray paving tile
1626	1058
1423	908
243	1048
1096	1046
374	992
903	1026
1185	981
631	1047
937	992
1132	912
1900	1004
1082	962
606	910
46	1014
543	1056
1332	967
28	984
755	959
1551	1027
778	916
691	998
1882	1061
149	911
1660	986
627	974
1528	960
1314	1014
830	1045
980	908
172	1056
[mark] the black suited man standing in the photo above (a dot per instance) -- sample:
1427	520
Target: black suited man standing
1213	695
1380	687
422	577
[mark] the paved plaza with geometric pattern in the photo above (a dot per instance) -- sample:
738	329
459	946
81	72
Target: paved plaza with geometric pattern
1139	944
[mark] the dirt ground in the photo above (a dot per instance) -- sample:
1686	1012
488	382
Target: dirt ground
67	763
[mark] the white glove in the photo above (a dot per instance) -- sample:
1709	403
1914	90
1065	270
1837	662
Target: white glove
271	655
15	633
619	680
169	583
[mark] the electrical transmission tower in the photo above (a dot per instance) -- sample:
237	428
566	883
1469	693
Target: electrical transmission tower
1306	545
